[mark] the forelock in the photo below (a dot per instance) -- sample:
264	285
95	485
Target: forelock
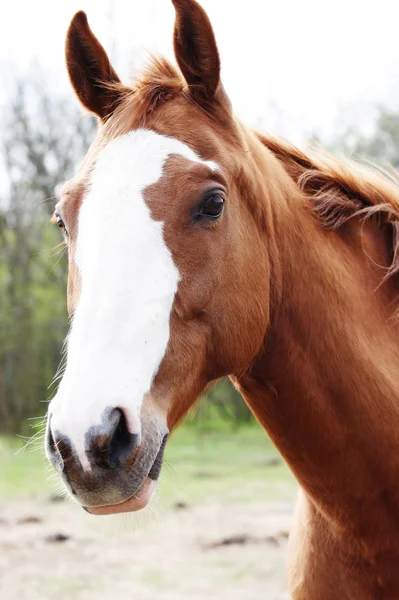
156	85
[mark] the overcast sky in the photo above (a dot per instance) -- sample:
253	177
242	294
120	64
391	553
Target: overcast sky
291	65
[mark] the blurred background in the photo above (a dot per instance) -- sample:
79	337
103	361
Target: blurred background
308	71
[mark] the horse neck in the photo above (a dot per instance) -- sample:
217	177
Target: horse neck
326	385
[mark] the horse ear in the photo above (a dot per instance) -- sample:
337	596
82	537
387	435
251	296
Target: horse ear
196	50
90	71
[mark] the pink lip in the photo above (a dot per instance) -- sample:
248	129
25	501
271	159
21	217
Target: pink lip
136	502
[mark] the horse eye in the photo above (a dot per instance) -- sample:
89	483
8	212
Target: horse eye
61	224
212	208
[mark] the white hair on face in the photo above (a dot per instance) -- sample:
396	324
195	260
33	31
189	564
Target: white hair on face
120	329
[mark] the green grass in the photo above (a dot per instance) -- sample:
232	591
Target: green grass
199	466
232	463
22	472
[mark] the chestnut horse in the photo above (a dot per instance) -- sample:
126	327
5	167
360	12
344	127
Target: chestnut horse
199	248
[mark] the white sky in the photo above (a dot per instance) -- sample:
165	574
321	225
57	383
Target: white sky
290	65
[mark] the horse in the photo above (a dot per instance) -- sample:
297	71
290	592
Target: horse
201	248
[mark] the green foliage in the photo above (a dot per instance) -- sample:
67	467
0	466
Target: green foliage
222	408
33	326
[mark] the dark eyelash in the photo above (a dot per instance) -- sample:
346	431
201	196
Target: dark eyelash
60	223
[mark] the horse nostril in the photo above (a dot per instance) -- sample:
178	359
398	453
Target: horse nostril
115	444
122	443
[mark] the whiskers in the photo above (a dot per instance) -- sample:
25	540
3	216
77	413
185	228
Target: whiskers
35	441
55	251
59	373
61	250
35	444
63	364
47	200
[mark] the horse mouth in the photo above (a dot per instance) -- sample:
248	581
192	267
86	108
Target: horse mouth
136	502
141	497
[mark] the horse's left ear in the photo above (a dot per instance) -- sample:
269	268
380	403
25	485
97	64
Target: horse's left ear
196	51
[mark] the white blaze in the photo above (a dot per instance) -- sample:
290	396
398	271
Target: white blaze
120	329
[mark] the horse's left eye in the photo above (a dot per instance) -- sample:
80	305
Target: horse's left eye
212	207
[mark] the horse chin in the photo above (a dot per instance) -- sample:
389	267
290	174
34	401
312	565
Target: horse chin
136	502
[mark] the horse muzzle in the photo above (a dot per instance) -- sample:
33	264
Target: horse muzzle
117	470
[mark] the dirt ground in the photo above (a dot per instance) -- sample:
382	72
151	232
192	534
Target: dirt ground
55	551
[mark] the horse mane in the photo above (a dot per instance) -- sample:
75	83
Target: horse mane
343	189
